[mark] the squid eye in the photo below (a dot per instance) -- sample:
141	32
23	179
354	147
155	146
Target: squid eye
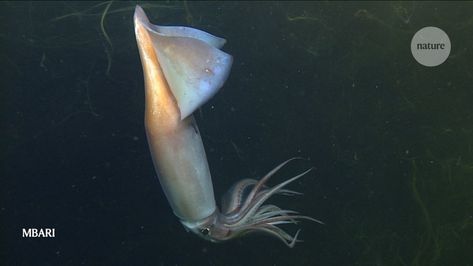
205	231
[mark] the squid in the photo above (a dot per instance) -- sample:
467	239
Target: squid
183	68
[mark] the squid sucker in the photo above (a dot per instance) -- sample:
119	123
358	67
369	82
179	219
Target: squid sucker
183	68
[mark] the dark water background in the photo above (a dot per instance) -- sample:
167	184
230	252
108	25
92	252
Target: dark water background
334	82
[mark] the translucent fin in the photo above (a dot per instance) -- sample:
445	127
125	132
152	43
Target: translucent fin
194	67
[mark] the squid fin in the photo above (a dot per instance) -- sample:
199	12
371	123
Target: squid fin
191	61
